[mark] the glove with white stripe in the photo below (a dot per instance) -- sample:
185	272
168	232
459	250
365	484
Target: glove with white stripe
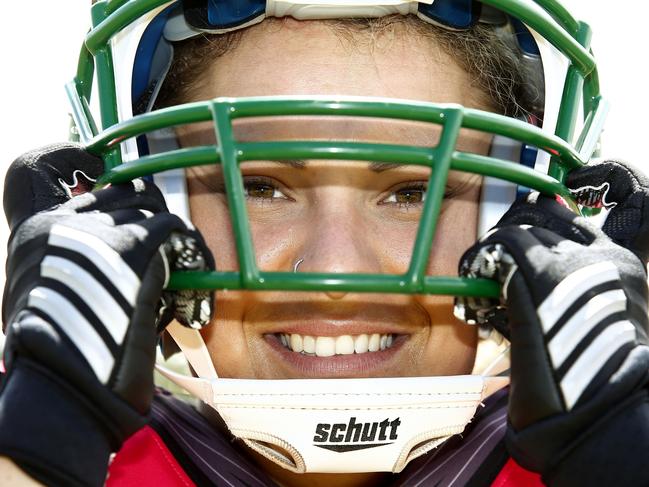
574	307
82	310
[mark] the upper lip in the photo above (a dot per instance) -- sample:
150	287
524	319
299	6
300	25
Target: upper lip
352	318
335	329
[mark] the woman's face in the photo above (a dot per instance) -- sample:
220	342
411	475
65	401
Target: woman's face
335	216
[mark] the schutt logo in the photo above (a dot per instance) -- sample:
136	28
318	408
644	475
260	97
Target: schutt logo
340	437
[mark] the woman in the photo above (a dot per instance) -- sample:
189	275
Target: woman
90	290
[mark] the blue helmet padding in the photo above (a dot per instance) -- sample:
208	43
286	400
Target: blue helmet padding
528	158
456	14
525	38
224	14
528	155
140	79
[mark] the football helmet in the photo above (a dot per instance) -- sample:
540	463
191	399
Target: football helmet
125	58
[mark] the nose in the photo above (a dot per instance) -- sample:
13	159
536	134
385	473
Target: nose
340	241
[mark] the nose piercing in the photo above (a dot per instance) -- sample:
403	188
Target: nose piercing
297	264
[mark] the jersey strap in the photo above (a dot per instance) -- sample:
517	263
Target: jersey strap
145	461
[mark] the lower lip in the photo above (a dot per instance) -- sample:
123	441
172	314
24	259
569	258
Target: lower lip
339	366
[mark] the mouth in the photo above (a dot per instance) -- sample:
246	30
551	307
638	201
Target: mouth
328	346
361	355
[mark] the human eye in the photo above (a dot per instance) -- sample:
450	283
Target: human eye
407	196
412	195
262	189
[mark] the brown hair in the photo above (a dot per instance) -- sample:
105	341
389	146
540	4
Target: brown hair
492	64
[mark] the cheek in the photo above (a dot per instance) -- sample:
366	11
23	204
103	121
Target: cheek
210	215
450	347
225	337
456	232
276	240
393	244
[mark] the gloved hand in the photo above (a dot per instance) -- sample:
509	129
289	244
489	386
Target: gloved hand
574	307
83	306
619	187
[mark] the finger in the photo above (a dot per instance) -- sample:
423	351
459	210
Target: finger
549	238
518	242
147	235
191	307
47	177
544	212
127	215
111	219
136	383
494	257
139	194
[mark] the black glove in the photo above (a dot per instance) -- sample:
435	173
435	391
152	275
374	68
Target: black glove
617	186
574	307
82	309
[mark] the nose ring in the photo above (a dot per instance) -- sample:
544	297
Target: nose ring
297	264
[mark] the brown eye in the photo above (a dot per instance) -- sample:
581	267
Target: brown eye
262	189
406	196
410	196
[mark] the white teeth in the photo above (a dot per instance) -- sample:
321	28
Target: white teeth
325	346
296	342
342	345
308	342
375	342
360	344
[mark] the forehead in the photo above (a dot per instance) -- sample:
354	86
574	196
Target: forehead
360	129
290	57
313	58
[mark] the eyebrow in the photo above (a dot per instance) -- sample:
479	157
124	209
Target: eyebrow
374	166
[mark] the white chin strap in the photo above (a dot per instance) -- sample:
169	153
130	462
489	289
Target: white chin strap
334	425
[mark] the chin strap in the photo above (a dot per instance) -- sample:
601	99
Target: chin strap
335	425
